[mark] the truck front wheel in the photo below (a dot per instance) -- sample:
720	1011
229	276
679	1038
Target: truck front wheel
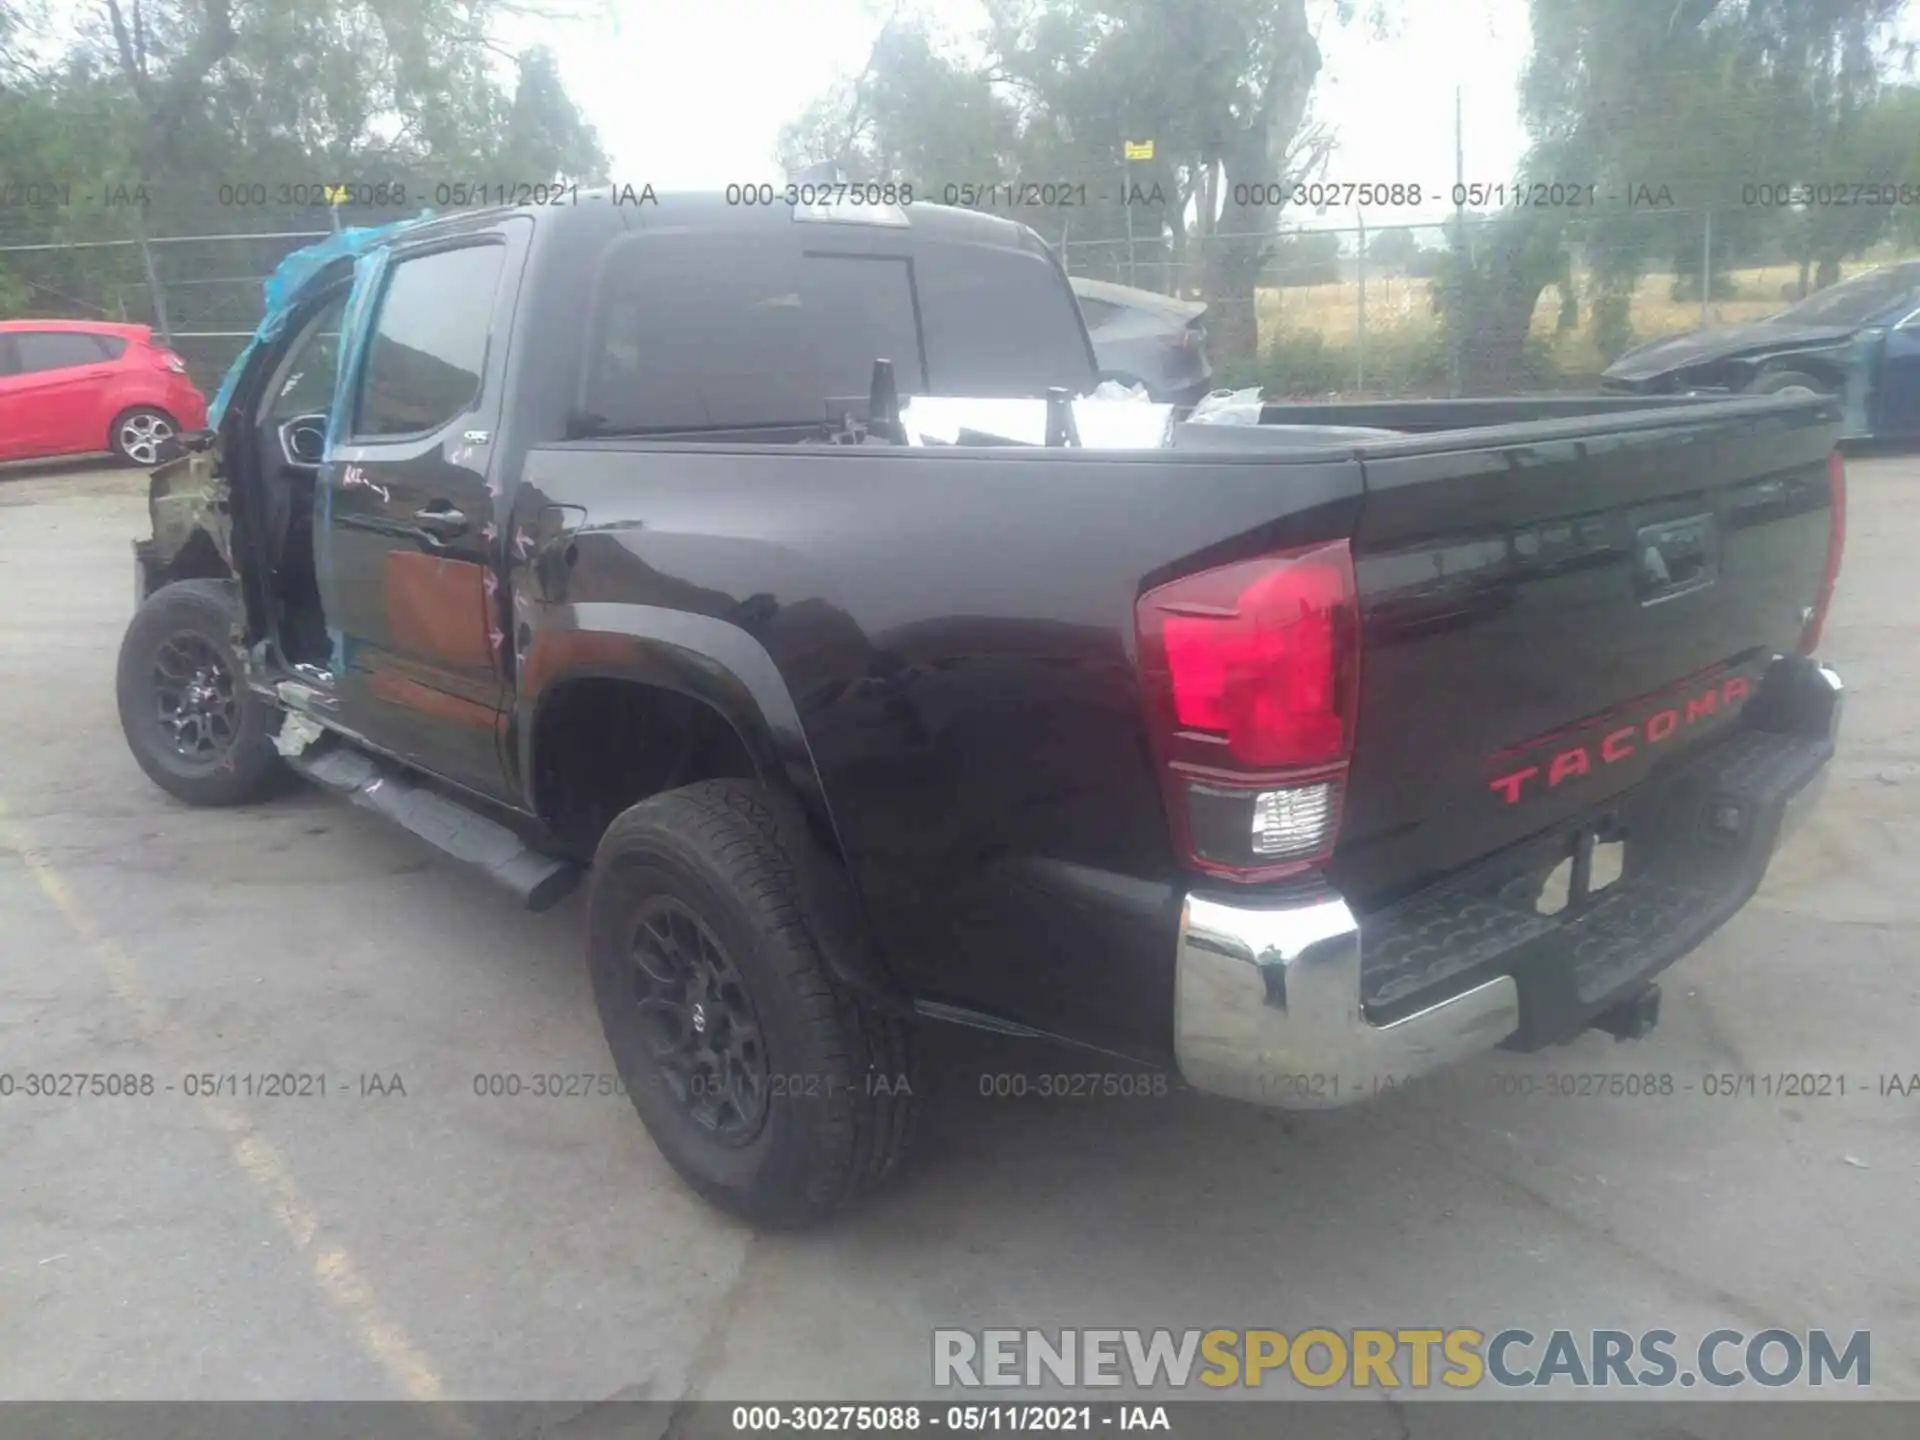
189	718
1781	382
774	1091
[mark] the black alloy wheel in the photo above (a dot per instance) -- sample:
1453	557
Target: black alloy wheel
194	701
185	707
698	1021
775	1089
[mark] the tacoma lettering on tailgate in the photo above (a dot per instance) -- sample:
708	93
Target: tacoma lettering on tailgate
1585	748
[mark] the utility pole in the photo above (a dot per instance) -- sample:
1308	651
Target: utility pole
1131	150
1360	337
1706	266
1126	154
1459	232
154	292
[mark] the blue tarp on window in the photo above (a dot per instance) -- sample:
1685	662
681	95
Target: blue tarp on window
283	287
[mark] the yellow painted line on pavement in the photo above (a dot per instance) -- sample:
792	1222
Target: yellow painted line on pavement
333	1270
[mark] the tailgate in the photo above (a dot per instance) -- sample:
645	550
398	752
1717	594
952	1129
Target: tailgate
1553	611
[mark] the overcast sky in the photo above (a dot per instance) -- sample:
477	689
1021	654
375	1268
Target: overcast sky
693	96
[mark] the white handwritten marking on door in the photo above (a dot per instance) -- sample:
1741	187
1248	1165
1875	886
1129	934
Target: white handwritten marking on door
356	479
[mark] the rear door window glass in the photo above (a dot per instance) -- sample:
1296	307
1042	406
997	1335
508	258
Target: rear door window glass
55	350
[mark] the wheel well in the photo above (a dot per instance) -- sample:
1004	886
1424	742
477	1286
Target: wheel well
1819	369
198	559
601	745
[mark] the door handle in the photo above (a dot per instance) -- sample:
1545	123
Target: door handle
440	520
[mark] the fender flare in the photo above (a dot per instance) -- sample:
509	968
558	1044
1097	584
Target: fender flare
721	666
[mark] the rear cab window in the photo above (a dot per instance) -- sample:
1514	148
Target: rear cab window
1000	321
700	330
764	328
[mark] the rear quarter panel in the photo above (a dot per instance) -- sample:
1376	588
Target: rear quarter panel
956	632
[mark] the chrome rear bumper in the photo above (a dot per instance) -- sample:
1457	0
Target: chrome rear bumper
1267	1009
1267	999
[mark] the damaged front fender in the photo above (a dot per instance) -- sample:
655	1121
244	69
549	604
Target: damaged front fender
191	522
188	501
192	533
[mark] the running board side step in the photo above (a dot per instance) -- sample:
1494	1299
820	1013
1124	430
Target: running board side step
539	880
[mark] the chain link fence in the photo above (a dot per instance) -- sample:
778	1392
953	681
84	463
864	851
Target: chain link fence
1350	311
1335	311
200	293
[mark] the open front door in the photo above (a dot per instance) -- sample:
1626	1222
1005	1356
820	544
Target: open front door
407	539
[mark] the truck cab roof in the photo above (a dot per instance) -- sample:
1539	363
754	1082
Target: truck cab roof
712	210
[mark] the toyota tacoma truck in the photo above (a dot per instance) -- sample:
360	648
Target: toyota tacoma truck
1301	756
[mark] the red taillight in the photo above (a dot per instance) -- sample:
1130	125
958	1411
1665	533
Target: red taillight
1836	545
1251	675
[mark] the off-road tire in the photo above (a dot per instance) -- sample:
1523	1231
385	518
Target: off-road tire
840	1109
249	768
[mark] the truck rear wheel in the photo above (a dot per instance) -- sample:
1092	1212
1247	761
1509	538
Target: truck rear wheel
189	719
774	1091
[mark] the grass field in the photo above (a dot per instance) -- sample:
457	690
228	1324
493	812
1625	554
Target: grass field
1401	309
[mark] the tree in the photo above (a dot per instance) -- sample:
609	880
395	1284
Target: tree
915	113
1878	146
1703	97
1395	248
161	103
1222	88
1305	257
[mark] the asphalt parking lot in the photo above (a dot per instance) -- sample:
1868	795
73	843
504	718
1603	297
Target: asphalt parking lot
410	1238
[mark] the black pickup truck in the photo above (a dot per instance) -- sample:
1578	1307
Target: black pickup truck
1303	756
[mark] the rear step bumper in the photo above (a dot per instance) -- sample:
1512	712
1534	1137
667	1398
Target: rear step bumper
1267	1008
1301	1005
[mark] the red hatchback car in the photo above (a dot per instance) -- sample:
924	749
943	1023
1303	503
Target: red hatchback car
75	387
